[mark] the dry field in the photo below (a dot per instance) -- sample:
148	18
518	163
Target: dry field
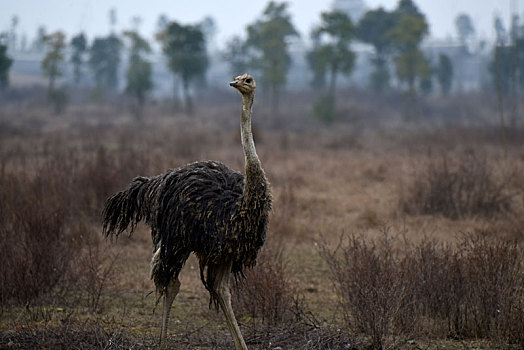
385	233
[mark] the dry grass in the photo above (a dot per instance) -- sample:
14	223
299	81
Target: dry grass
391	290
267	294
64	287
37	248
463	186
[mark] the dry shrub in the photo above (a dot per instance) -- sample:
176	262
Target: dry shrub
36	248
433	271
509	227
460	187
74	334
94	268
472	289
283	219
494	281
45	241
71	333
100	174
369	281
266	294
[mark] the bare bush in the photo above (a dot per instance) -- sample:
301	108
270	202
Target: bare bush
45	241
473	289
35	245
94	268
71	333
511	228
434	275
369	281
267	293
494	281
460	187
98	175
74	334
283	220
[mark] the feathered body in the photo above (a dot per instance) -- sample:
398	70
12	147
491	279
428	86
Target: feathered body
204	207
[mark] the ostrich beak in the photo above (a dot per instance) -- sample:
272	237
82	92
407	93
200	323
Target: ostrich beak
234	83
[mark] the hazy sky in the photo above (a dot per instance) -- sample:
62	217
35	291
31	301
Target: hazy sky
231	16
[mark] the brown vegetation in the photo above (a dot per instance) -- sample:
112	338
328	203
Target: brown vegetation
391	290
63	286
460	187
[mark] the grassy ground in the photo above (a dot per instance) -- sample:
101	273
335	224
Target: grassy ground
340	180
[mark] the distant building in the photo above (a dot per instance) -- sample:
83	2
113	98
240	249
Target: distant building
355	9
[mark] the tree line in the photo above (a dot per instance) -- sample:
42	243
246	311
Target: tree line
395	36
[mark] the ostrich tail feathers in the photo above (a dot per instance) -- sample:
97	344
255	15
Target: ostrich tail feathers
125	209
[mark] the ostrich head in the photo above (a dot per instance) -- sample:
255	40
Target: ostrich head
244	83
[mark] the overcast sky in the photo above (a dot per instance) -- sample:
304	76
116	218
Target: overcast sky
231	16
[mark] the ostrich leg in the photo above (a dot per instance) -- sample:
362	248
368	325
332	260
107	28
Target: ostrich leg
169	296
223	273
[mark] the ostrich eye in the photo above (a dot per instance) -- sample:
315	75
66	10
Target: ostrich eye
248	81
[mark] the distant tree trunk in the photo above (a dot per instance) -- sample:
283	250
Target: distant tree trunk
176	104
500	102
411	85
275	98
187	97
52	78
514	98
139	106
333	81
380	77
51	85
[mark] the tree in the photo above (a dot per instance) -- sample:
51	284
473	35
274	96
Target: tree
209	28
104	60
444	73
38	43
136	22
13	40
408	7
507	67
53	62
516	29
407	34
79	45
185	49
411	65
138	74
237	55
332	54
374	28
500	31
161	23
465	29
53	66
426	83
5	66
267	38
112	19
23	43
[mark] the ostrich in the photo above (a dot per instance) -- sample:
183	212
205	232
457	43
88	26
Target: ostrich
205	208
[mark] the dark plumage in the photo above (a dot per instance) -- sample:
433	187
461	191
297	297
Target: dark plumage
196	208
205	208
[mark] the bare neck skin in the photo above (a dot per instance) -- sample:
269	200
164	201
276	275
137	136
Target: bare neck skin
250	153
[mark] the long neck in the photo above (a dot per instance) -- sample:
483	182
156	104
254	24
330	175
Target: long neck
250	153
256	198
